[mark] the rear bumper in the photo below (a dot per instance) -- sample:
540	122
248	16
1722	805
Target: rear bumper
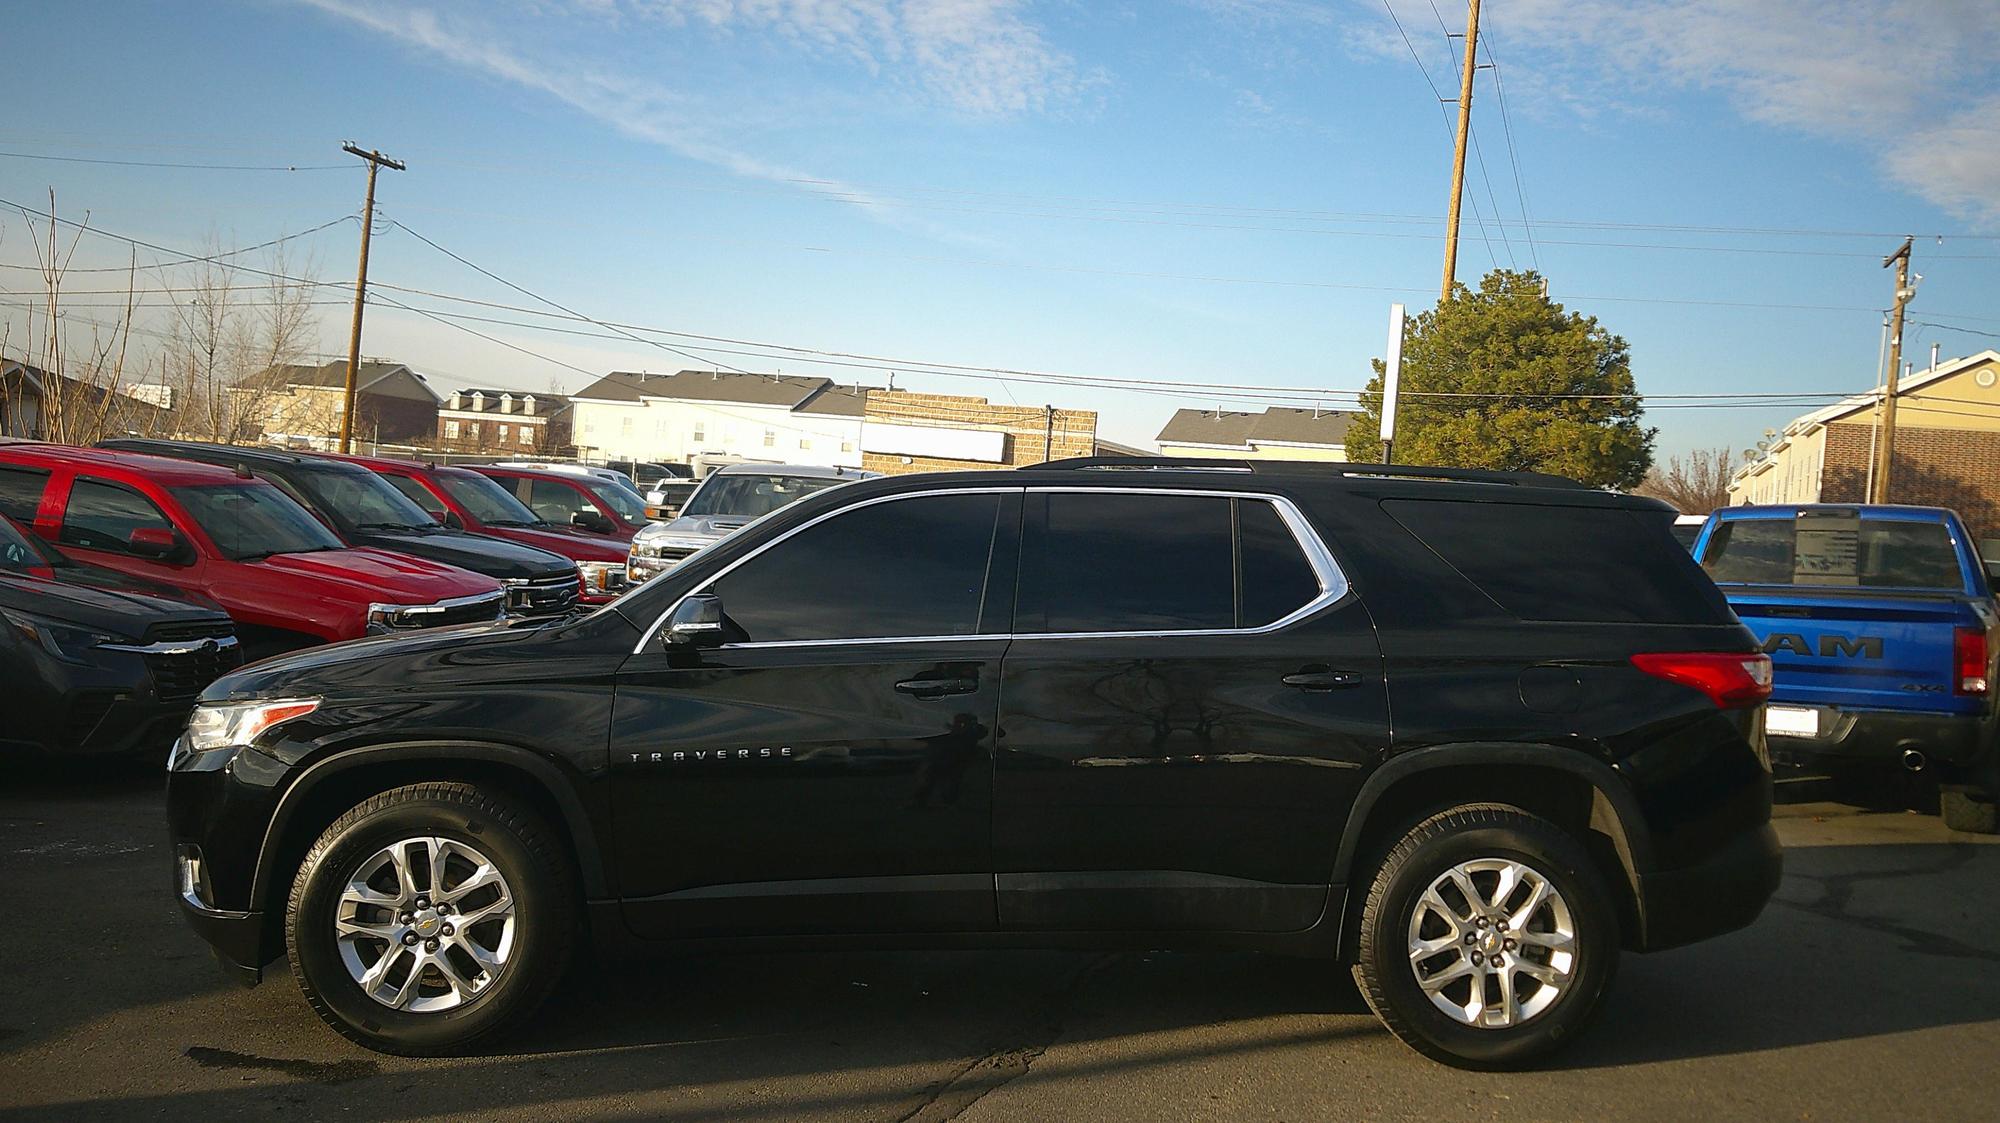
1864	738
1721	894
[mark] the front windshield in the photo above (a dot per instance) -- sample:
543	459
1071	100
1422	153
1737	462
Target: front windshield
360	499
18	552
629	505
253	520
745	495
490	503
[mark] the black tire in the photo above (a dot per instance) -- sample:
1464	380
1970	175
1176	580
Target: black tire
518	844
1969	812
1388	979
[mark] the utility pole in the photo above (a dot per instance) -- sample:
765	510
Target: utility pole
376	161
1885	449
1048	432
1458	152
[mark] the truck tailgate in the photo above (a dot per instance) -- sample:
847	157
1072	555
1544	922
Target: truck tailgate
1859	651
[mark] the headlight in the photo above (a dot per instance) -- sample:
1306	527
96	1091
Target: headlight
219	725
602	577
66	642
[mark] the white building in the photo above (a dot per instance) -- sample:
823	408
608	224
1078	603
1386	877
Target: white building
672	418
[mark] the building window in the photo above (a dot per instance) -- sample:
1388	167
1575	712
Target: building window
700	431
805	442
589	424
450	429
847	446
503	431
527	435
770	438
625	427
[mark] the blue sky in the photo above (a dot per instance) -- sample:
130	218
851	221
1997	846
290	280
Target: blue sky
1212	191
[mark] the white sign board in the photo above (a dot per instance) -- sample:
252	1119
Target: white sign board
1392	372
983	445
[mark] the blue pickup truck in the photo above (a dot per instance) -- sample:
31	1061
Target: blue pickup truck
1880	622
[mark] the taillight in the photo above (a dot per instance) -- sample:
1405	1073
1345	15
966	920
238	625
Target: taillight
1968	661
1730	679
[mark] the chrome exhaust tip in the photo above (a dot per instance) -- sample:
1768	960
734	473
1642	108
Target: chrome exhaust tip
1914	760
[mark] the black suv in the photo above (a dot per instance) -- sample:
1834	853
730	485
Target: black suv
97	663
1471	732
366	510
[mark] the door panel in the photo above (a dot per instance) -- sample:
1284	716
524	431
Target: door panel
1187	710
1178	782
797	789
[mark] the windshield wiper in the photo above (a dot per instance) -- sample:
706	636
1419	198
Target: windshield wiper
395	526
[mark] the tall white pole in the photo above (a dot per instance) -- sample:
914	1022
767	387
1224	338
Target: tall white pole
1392	374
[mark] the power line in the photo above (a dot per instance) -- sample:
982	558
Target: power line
1507	129
1445	117
183	257
536	296
190	167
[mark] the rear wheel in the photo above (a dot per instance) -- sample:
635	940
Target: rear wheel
430	919
1487	938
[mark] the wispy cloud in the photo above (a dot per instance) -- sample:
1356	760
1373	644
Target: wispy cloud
975	68
1910	80
981	57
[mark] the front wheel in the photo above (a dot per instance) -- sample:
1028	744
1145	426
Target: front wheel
430	919
1487	938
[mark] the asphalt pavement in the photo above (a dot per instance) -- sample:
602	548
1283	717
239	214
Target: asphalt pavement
1870	989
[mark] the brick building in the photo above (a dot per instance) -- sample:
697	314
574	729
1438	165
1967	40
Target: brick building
504	421
903	431
1947	448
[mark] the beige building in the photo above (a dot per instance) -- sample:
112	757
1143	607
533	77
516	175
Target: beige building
303	403
1947	447
903	431
1276	434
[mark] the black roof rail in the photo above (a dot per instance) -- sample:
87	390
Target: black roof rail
1309	467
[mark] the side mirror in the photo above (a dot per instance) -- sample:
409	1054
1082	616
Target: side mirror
157	543
696	622
593	521
451	519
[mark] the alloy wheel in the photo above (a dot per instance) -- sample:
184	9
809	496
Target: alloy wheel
425	924
1492	943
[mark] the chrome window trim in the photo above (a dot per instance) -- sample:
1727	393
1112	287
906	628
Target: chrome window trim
1332	581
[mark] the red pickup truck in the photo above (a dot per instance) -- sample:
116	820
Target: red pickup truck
468	500
239	542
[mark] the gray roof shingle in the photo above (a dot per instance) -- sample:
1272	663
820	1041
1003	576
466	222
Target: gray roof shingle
786	390
1278	424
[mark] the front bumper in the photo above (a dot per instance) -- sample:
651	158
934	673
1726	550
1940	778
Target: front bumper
1719	894
1865	738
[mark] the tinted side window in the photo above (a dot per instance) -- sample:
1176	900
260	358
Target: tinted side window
21	491
417	493
1598	564
910	567
1121	562
556	502
100	516
1277	578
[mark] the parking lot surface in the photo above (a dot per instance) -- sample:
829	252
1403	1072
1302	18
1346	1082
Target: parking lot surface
1870	989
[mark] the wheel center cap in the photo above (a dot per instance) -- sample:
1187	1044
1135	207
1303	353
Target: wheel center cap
1491	942
426	923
